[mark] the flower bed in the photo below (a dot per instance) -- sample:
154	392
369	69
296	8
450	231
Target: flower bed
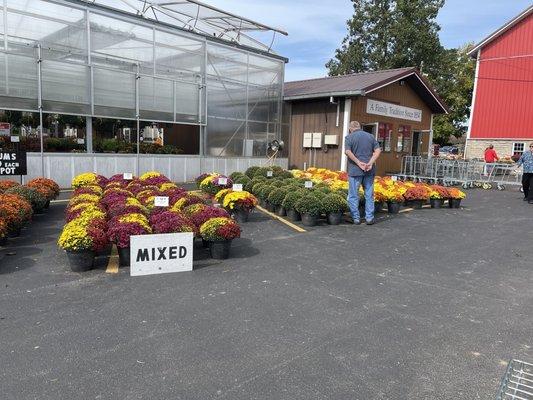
107	211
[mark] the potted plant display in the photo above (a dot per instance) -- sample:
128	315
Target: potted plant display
3	232
170	222
212	184
289	203
394	200
263	195
437	195
454	197
416	196
122	228
16	212
275	199
219	233
46	187
309	207
334	206
80	241
32	196
240	204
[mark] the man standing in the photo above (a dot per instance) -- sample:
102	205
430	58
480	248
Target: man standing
362	150
526	160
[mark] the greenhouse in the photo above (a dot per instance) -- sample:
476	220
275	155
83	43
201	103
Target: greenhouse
118	85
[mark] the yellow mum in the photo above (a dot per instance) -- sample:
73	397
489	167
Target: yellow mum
88	178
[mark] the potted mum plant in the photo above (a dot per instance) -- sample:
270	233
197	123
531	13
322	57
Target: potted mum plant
80	242
454	197
394	200
32	196
3	232
309	207
219	233
334	206
275	199
289	203
16	212
437	195
170	222
122	228
240	204
416	196
263	195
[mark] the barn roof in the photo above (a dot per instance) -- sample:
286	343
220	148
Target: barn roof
528	11
360	84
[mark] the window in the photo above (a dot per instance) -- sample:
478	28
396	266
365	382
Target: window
384	136
404	139
518	148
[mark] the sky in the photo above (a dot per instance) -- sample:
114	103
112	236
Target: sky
316	27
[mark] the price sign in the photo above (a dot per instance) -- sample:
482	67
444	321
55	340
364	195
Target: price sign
394	178
81	141
222	181
13	163
237	187
161	201
308	184
15	139
128	176
5	129
270	174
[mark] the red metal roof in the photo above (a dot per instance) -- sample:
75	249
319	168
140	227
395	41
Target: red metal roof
360	84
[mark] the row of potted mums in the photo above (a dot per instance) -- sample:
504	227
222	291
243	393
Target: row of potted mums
18	204
308	195
104	212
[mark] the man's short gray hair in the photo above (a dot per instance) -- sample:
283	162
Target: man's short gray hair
355	125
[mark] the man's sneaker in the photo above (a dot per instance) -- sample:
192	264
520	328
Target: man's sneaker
525	199
371	222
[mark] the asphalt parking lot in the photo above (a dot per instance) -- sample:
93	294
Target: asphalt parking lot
429	304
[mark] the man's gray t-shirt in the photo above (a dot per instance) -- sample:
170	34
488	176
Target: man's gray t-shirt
362	144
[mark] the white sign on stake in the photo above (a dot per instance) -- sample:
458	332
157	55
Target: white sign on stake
161	201
15	139
161	254
394	178
237	187
223	181
270	174
128	176
308	184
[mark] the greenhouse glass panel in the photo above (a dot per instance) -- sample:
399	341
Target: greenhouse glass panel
114	93
226	99
265	72
187	103
226	63
225	138
156	98
19	81
179	57
65	87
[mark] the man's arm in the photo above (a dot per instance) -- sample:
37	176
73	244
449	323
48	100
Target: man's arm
375	156
352	157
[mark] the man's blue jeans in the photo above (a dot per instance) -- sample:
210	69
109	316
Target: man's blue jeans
353	196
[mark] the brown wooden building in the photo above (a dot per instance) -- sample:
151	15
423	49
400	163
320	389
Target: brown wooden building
397	106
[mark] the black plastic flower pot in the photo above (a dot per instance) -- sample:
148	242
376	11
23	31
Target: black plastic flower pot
454	203
334	218
436	203
263	203
81	261
309	219
47	205
205	243
106	251
294	215
378	206
220	249
124	256
280	210
240	215
14	232
3	240
417	204
393	208
271	207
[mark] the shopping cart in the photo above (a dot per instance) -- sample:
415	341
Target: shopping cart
517	383
501	175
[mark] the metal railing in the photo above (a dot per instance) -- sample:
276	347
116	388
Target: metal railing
517	383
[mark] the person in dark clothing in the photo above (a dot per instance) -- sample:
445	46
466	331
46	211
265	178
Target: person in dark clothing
526	161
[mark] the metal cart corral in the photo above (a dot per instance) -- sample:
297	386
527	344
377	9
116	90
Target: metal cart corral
517	383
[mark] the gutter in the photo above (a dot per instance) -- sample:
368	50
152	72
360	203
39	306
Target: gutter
351	93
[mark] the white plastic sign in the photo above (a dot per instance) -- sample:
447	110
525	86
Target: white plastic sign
394	178
270	174
308	184
128	176
15	139
237	187
161	201
161	254
222	181
81	141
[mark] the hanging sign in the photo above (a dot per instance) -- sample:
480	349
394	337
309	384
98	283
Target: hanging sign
237	187
161	254
5	129
161	201
393	110
13	163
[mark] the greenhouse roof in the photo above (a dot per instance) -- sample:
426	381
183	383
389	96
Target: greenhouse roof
195	16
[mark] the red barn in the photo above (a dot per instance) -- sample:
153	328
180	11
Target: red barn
502	105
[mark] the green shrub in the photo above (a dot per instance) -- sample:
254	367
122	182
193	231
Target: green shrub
283	174
243	180
276	196
32	196
256	188
276	182
318	194
235	175
250	172
265	191
290	200
308	205
333	203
